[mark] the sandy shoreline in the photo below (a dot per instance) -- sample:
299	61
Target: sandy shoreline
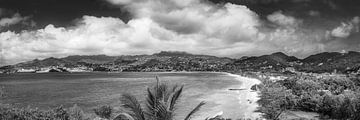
234	104
248	97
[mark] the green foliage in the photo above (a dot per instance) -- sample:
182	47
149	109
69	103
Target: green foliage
160	103
275	99
76	113
103	111
333	97
11	113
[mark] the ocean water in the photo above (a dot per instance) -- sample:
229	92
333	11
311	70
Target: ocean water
89	90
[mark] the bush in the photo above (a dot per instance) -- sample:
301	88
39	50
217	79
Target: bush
76	113
103	111
11	113
333	97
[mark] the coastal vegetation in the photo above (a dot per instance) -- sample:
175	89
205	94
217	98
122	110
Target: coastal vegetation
335	97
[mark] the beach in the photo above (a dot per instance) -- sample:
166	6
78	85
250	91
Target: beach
234	104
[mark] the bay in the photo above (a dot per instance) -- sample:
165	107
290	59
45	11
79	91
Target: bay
89	90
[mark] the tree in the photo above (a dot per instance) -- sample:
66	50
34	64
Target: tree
160	104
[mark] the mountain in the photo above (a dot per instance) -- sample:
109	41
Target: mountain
96	59
281	57
163	60
275	61
44	63
318	63
174	60
331	61
173	54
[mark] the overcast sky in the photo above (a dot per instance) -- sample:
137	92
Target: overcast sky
31	29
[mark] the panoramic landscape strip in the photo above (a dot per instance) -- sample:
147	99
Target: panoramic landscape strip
287	88
179	60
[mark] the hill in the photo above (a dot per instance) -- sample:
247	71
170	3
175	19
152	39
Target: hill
276	61
179	61
331	62
162	61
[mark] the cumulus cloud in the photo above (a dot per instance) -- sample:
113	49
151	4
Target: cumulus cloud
291	36
111	36
283	20
15	19
194	26
342	31
345	29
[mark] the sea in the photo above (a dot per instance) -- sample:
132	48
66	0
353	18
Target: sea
92	89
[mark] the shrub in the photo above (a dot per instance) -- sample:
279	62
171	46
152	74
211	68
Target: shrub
11	113
103	111
335	97
76	113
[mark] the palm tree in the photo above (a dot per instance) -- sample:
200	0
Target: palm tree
160	104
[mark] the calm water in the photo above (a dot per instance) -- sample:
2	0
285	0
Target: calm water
89	90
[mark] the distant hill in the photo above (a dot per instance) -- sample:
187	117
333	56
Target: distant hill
44	63
331	61
97	59
166	59
174	60
275	61
318	63
173	53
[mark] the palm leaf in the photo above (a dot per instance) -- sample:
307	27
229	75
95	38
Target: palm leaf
196	109
174	97
151	105
133	105
163	113
121	116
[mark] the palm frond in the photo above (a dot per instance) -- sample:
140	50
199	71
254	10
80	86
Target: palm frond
196	109
163	112
133	105
175	97
123	116
170	91
151	105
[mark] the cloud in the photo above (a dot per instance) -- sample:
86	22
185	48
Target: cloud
266	1
194	26
314	13
15	19
283	20
345	29
197	28
342	31
111	36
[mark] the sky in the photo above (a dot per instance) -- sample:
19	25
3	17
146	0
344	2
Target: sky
37	29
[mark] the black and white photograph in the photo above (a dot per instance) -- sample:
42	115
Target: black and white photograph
179	60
